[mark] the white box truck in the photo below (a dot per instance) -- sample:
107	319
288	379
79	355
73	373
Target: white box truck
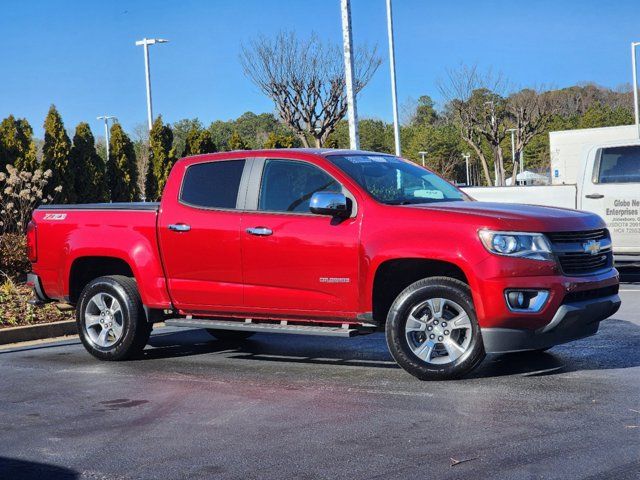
595	169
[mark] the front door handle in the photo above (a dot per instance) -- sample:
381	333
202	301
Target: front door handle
595	196
259	231
179	227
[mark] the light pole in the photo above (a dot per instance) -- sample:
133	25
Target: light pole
145	42
635	85
347	41
513	149
392	67
106	119
422	154
466	159
493	122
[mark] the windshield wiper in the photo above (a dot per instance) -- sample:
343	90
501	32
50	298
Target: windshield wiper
402	202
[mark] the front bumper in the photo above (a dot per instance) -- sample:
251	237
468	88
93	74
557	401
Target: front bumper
572	321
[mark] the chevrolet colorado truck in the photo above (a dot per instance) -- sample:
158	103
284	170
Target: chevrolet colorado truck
326	242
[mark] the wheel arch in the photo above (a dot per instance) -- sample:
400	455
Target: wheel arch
87	268
392	276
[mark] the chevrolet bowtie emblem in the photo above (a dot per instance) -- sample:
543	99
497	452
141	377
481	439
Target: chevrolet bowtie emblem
591	247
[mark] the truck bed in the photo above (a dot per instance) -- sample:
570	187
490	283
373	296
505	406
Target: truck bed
122	231
547	195
153	206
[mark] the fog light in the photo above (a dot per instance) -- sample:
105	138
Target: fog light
530	301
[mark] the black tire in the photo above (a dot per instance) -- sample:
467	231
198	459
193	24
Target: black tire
414	296
135	328
229	335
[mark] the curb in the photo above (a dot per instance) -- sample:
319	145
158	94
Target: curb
37	332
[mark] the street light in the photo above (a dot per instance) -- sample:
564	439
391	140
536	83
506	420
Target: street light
394	90
635	85
466	159
422	154
347	41
145	42
106	119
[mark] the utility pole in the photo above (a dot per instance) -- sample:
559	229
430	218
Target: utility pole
145	42
106	119
394	90
466	159
347	42
422	154
635	85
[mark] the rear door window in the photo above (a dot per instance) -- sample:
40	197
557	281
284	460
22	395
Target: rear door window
212	184
619	165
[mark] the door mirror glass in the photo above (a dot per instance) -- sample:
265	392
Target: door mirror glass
335	204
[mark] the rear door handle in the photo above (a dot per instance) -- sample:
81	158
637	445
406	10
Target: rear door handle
595	196
260	231
179	227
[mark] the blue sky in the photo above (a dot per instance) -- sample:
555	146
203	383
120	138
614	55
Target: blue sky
81	55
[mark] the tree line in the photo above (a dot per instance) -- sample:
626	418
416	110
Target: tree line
138	164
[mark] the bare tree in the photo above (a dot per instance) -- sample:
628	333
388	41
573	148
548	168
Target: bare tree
305	79
530	111
476	102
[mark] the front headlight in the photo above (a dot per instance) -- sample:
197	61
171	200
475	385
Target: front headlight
517	244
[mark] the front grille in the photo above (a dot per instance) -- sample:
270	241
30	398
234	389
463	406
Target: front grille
574	256
590	294
578	237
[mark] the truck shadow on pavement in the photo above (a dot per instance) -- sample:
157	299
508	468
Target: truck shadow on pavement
358	351
15	469
614	346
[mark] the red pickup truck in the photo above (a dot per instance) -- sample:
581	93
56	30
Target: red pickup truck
327	242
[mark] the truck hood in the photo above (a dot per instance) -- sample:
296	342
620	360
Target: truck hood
515	216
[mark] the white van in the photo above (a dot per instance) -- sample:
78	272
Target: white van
606	181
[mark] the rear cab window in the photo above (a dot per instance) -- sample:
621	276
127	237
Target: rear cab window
213	184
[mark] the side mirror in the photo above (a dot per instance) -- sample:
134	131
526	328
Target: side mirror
334	204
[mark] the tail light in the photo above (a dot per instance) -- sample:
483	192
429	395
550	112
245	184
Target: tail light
32	242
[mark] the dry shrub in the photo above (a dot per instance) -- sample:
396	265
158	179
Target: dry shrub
20	194
13	255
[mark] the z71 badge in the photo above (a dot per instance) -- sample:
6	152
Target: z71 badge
55	216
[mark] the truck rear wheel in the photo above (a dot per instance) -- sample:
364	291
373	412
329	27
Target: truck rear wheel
111	320
432	330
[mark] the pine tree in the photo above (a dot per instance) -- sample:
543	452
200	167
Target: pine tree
236	142
88	167
17	147
198	141
55	157
161	159
279	140
122	173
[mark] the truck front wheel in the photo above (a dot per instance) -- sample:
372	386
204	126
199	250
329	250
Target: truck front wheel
111	320
432	330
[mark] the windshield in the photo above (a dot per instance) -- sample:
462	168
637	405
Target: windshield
393	181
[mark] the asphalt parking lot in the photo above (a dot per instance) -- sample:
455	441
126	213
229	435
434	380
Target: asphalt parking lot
307	407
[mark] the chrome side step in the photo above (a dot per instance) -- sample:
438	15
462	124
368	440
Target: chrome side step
248	325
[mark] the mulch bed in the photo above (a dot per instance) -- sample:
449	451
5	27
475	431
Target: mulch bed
15	311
